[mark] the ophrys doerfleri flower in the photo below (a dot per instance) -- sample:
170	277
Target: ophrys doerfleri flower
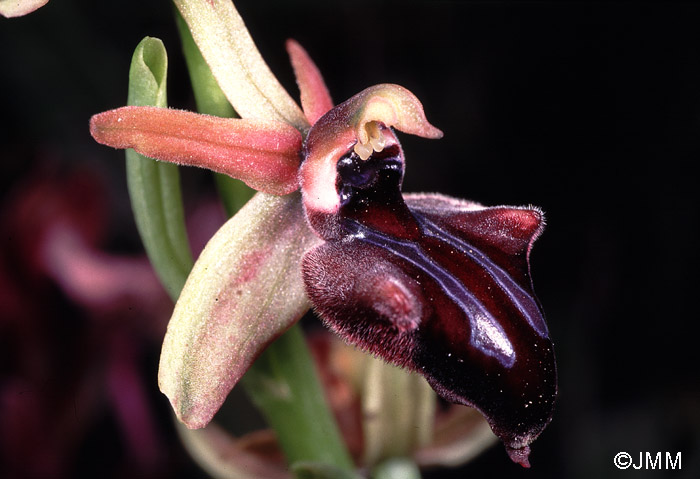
438	285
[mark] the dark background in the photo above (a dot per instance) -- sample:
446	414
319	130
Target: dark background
588	110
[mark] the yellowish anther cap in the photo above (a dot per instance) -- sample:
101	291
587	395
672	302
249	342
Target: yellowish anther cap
387	105
363	151
375	140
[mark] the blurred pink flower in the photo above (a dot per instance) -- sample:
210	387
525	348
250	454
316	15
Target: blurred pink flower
76	323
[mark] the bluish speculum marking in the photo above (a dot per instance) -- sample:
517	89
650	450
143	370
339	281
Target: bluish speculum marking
354	173
370	189
487	334
525	303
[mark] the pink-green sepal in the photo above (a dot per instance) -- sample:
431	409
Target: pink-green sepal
243	292
315	98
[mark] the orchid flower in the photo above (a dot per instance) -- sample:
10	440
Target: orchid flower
437	285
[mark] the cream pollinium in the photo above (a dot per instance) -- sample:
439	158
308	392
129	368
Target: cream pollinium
376	140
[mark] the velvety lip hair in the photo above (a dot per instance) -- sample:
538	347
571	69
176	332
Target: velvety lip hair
438	285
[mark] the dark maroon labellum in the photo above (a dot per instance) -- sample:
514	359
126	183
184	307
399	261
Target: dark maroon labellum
442	287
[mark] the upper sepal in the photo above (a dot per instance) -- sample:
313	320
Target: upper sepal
262	153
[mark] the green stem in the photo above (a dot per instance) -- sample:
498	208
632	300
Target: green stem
283	382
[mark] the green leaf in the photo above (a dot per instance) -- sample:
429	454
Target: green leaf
154	187
207	94
148	74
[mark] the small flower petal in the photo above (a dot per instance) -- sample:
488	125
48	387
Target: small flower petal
315	99
244	291
262	153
